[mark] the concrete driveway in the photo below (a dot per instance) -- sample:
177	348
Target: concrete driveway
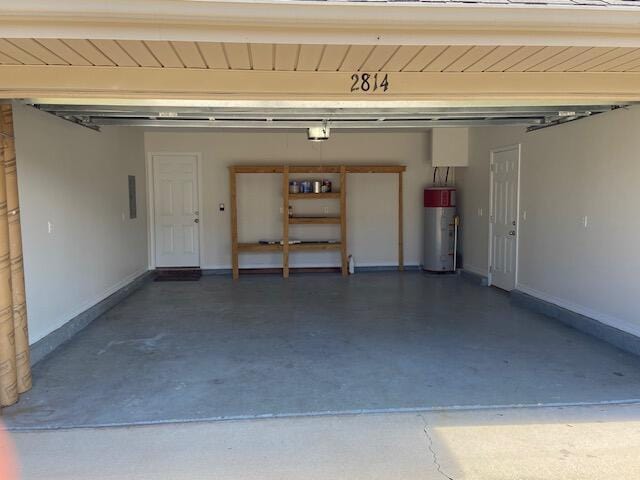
573	442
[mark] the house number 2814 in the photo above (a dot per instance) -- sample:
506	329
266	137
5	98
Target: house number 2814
366	82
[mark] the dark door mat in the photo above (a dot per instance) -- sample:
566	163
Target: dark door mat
178	275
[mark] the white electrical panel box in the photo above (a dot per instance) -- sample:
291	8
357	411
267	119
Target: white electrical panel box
450	147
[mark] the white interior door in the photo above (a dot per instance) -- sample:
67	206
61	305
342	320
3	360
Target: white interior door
176	210
503	227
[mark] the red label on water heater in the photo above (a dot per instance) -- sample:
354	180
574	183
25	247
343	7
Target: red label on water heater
439	197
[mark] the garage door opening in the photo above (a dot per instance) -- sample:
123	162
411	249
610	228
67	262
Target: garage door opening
264	345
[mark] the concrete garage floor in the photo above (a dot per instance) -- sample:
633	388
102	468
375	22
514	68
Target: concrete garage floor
266	346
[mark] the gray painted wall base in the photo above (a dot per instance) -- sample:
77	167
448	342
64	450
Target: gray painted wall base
623	340
216	271
48	344
474	277
387	268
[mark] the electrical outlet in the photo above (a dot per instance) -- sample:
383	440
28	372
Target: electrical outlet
524	215
281	210
49	226
585	221
325	209
480	212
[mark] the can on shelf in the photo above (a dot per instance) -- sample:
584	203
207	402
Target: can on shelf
317	186
294	187
326	186
305	186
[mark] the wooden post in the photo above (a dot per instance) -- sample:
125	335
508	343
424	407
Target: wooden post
285	221
234	223
343	220
400	225
15	368
8	375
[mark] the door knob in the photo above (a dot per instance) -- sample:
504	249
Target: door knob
512	232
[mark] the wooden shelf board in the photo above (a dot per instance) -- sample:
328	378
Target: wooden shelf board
264	247
318	168
314	196
314	220
259	247
314	246
314	168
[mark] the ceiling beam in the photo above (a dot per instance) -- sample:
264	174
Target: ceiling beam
163	85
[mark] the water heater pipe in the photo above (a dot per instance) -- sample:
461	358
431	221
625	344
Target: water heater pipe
456	222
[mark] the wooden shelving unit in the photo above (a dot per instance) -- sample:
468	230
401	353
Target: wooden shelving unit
313	196
285	247
314	220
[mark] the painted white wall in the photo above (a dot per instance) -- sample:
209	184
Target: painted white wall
77	179
371	198
586	168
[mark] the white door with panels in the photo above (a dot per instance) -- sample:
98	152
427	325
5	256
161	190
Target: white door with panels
503	218
176	210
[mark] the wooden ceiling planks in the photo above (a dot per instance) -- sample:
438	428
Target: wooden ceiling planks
63	51
37	50
355	57
558	59
114	52
165	54
537	58
189	54
262	56
214	55
402	57
379	57
512	59
88	51
317	57
140	53
286	57
238	55
446	58
469	58
579	59
424	57
309	57
332	58
9	49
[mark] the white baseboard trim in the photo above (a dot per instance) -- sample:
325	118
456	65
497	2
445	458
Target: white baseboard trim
611	321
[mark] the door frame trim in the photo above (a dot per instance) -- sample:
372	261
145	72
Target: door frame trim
151	217
492	152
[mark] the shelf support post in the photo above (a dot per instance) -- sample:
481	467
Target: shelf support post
400	225
343	220
234	223
285	221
